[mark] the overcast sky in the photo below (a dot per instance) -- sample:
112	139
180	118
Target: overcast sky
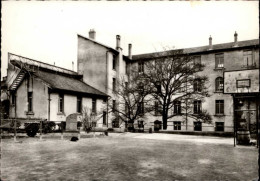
47	31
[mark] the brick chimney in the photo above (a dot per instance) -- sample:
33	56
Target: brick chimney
118	42
92	34
210	43
235	39
130	51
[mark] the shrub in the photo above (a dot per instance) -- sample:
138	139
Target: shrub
48	126
79	124
32	129
110	129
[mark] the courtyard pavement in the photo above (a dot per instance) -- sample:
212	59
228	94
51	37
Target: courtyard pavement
128	156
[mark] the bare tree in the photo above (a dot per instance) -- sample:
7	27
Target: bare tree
130	103
176	82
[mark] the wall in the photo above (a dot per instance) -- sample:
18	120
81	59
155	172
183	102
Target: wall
40	100
92	63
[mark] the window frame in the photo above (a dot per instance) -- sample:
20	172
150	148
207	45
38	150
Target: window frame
176	125
197	105
114	84
94	105
177	107
218	82
114	62
197	85
61	103
219	107
30	101
79	104
247	55
222	127
104	117
219	60
196	124
140	67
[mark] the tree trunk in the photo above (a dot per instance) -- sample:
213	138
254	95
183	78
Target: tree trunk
165	118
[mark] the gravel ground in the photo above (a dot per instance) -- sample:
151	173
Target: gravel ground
128	156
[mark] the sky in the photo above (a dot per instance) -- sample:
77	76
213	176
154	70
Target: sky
47	31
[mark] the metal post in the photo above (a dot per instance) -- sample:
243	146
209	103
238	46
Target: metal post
41	130
234	121
14	129
61	131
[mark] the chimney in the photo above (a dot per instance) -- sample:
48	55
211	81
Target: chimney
92	34
72	66
130	51
118	41
235	39
210	43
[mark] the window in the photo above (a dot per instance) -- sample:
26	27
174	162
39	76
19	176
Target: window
177	107
79	104
104	117
156	108
141	67
176	125
114	62
248	58
141	107
197	62
197	107
126	108
114	105
158	87
94	105
197	85
219	58
61	103
13	98
219	84
30	101
219	106
114	84
219	126
197	126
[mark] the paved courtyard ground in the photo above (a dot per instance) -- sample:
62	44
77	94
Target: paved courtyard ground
128	156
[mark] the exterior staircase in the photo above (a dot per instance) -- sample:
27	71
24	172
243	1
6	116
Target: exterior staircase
17	80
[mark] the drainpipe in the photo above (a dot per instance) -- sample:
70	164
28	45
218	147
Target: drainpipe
49	103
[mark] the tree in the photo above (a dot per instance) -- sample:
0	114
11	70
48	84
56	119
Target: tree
130	104
175	79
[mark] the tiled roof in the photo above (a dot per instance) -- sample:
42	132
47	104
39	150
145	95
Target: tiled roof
61	82
201	49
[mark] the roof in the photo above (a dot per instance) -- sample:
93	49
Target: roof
56	77
20	61
216	47
112	49
61	82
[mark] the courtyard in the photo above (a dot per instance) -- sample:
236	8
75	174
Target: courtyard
128	156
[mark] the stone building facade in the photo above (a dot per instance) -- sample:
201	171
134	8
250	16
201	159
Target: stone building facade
219	58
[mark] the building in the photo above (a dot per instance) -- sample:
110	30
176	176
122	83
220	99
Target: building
102	67
46	92
40	90
236	60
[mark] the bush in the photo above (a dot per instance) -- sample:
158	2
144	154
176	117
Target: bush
48	126
63	125
110	129
32	129
79	124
